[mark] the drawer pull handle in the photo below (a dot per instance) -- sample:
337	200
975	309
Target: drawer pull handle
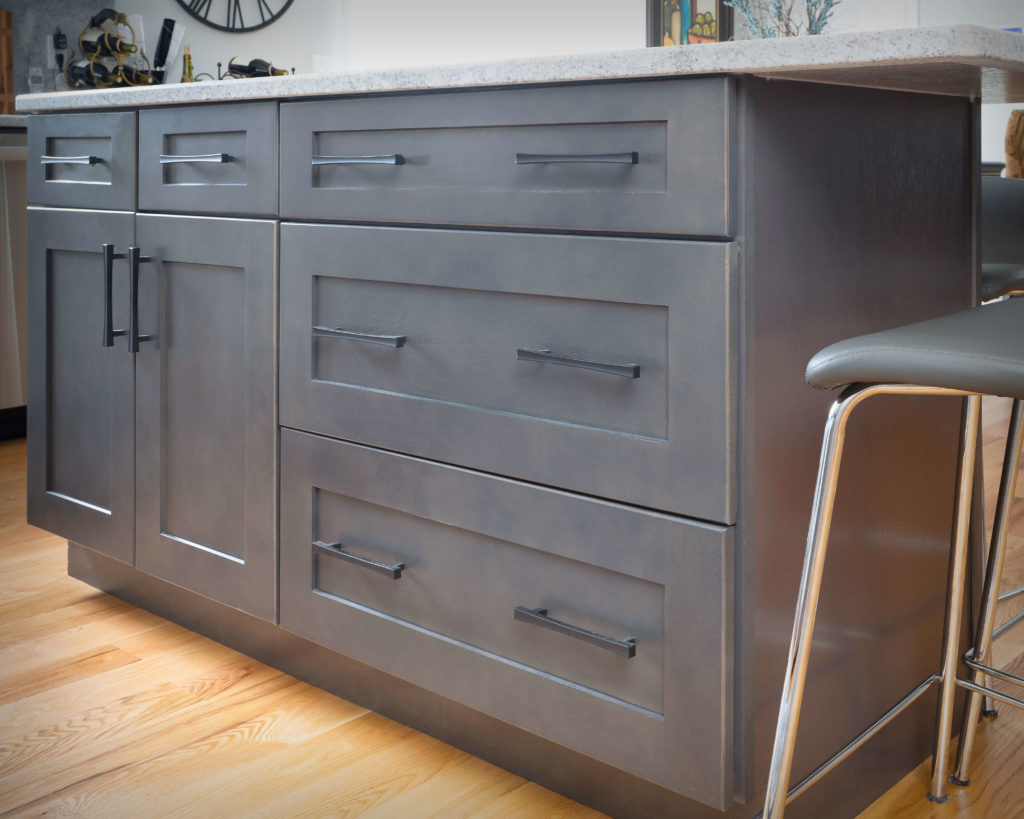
548	357
320	331
108	285
135	258
167	159
627	158
68	160
393	570
539	617
383	159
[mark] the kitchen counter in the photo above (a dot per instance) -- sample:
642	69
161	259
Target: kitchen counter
966	61
13	121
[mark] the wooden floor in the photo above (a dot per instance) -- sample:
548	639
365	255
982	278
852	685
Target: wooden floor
109	711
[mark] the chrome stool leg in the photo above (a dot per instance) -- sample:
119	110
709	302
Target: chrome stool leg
777	796
990	595
954	605
807	601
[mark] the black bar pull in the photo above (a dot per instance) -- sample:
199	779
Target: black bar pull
382	159
626	158
319	331
69	160
548	357
393	570
108	286
169	159
135	258
626	647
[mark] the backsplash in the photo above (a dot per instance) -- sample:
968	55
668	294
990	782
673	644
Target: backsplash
34	20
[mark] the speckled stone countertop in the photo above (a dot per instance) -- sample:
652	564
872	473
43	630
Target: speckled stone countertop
967	61
13	120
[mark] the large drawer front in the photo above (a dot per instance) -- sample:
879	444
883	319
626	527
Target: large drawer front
650	157
433	343
209	159
82	161
471	550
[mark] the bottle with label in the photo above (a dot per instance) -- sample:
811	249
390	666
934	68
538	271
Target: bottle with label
186	66
254	67
84	73
96	41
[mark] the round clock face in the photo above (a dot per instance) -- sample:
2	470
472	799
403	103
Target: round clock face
236	15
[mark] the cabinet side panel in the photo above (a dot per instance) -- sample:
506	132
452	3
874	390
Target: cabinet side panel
860	220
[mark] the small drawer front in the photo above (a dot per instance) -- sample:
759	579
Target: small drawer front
575	619
598	365
82	161
209	159
647	157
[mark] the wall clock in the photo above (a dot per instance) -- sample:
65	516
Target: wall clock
236	15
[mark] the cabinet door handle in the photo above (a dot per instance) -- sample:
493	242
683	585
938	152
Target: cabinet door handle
627	158
135	258
625	647
383	159
319	331
393	570
548	357
108	285
68	160
168	159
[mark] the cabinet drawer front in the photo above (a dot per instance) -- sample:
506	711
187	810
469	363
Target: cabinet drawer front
471	550
598	365
649	157
82	161
209	159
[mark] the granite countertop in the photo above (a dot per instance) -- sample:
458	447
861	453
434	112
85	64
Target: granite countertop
966	61
13	121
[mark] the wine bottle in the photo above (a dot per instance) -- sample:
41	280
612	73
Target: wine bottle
95	41
186	66
84	73
255	67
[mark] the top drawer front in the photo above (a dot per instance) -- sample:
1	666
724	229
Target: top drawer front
82	161
209	159
501	158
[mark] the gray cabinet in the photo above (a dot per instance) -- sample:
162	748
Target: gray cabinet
82	161
81	420
603	627
209	159
653	157
205	408
601	365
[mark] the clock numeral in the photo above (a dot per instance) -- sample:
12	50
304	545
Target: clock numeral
200	7
235	19
265	9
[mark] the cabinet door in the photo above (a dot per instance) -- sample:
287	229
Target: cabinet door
206	421
81	468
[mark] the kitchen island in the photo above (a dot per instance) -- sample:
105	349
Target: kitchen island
474	394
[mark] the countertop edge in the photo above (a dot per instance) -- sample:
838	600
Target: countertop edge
828	55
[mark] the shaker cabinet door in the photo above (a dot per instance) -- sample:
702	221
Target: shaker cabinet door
81	469
206	422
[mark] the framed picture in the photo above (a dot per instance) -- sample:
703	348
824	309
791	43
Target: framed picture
682	22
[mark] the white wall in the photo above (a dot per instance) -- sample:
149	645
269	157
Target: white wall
413	32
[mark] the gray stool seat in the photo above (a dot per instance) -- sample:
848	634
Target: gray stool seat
979	350
999	279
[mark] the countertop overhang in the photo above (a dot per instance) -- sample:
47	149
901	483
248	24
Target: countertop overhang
965	61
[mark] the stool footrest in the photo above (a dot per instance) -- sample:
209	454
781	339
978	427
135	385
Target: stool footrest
861	738
991	692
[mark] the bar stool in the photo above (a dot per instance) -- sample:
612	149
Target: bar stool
971	353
